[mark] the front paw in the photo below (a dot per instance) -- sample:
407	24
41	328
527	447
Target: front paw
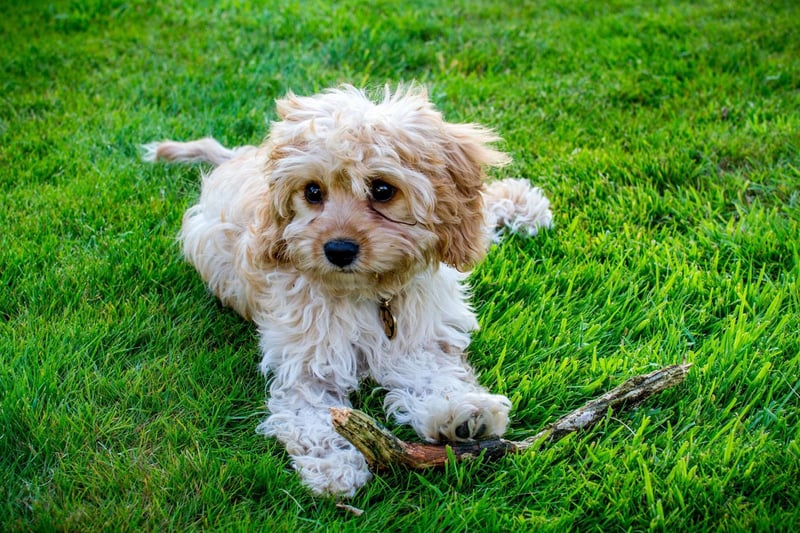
333	473
468	417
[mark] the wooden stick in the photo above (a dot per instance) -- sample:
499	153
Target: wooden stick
382	449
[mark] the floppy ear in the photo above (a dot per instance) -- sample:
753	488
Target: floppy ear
272	214
462	231
268	246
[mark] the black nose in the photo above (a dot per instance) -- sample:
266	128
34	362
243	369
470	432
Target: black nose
341	252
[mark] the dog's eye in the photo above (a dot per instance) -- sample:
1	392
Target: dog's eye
313	193
381	191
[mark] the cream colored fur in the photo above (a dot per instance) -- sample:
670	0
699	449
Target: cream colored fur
312	274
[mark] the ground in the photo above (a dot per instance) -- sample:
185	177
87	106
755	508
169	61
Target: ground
665	133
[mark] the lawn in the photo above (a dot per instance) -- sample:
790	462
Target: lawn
666	134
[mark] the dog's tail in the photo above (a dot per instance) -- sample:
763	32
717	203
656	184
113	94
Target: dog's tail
515	206
206	150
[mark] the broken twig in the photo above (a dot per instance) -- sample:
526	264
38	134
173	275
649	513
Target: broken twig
382	449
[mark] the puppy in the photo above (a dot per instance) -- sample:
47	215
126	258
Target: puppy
346	237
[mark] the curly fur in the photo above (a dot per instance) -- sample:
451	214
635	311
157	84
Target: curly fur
261	243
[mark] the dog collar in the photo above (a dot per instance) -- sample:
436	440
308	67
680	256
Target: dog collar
388	319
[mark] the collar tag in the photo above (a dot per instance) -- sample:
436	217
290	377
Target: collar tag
388	319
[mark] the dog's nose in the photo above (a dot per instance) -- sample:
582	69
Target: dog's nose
341	252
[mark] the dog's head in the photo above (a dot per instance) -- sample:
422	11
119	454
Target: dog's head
364	193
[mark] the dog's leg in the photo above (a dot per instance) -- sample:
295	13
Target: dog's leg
300	419
436	393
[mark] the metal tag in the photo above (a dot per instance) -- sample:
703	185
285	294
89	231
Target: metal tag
388	319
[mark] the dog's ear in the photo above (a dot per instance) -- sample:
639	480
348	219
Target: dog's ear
462	231
268	246
273	212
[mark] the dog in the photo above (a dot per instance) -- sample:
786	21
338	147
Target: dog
347	236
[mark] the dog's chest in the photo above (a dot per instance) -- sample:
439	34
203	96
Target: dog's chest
338	336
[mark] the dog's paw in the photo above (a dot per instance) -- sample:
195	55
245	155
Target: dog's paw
338	474
466	417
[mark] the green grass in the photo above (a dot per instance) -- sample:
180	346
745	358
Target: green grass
665	133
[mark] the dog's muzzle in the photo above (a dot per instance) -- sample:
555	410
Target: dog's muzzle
341	252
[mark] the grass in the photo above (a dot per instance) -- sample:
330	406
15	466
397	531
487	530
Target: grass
665	133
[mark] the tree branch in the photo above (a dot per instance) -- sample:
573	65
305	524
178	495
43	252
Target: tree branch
382	449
